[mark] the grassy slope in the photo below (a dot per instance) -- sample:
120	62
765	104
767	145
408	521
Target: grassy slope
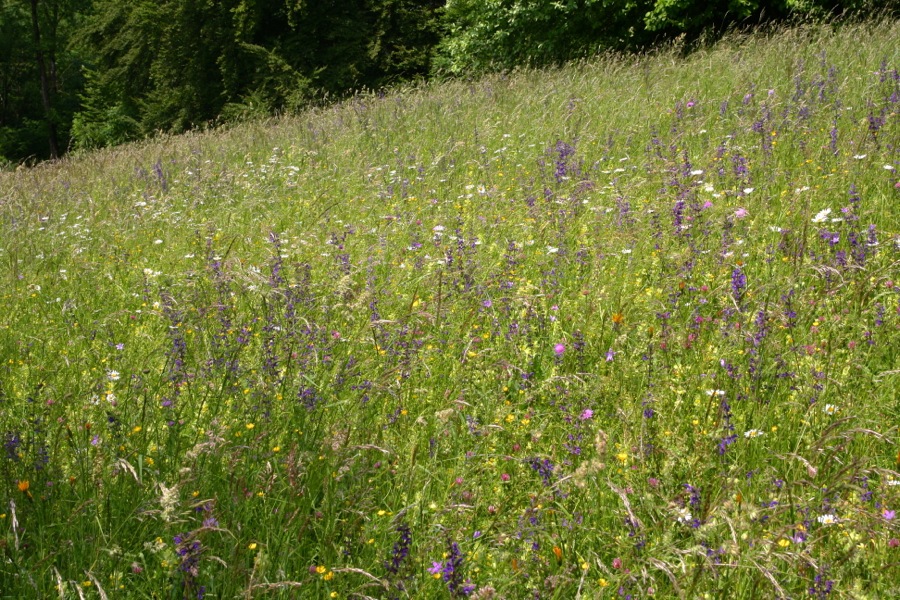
579	325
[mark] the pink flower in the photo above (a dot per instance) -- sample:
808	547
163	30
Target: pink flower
617	563
559	349
741	213
888	514
893	542
586	414
504	477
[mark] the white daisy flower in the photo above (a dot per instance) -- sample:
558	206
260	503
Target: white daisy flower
821	216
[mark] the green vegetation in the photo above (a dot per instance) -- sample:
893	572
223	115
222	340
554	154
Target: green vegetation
83	74
624	328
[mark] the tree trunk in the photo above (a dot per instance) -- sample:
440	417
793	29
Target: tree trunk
45	82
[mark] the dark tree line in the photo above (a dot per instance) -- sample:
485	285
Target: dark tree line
90	73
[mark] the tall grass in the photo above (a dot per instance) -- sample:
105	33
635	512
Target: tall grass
586	332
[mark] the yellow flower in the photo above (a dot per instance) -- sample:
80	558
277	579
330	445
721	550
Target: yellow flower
320	569
328	576
252	546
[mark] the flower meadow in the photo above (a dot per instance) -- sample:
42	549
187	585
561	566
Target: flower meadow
623	329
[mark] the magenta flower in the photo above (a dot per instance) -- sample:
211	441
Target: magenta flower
888	514
586	414
559	349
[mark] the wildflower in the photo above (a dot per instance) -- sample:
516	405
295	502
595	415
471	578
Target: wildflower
400	550
113	375
893	542
617	563
741	213
610	355
586	414
738	282
451	572
559	349
830	409
752	433
24	484
828	519
552	249
888	514
821	216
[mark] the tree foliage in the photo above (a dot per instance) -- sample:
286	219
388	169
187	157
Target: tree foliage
88	73
500	34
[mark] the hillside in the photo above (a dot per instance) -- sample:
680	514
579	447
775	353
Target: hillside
627	328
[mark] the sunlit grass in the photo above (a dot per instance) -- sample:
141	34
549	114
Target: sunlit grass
589	331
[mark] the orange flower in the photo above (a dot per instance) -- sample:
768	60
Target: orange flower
24	485
618	318
557	552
